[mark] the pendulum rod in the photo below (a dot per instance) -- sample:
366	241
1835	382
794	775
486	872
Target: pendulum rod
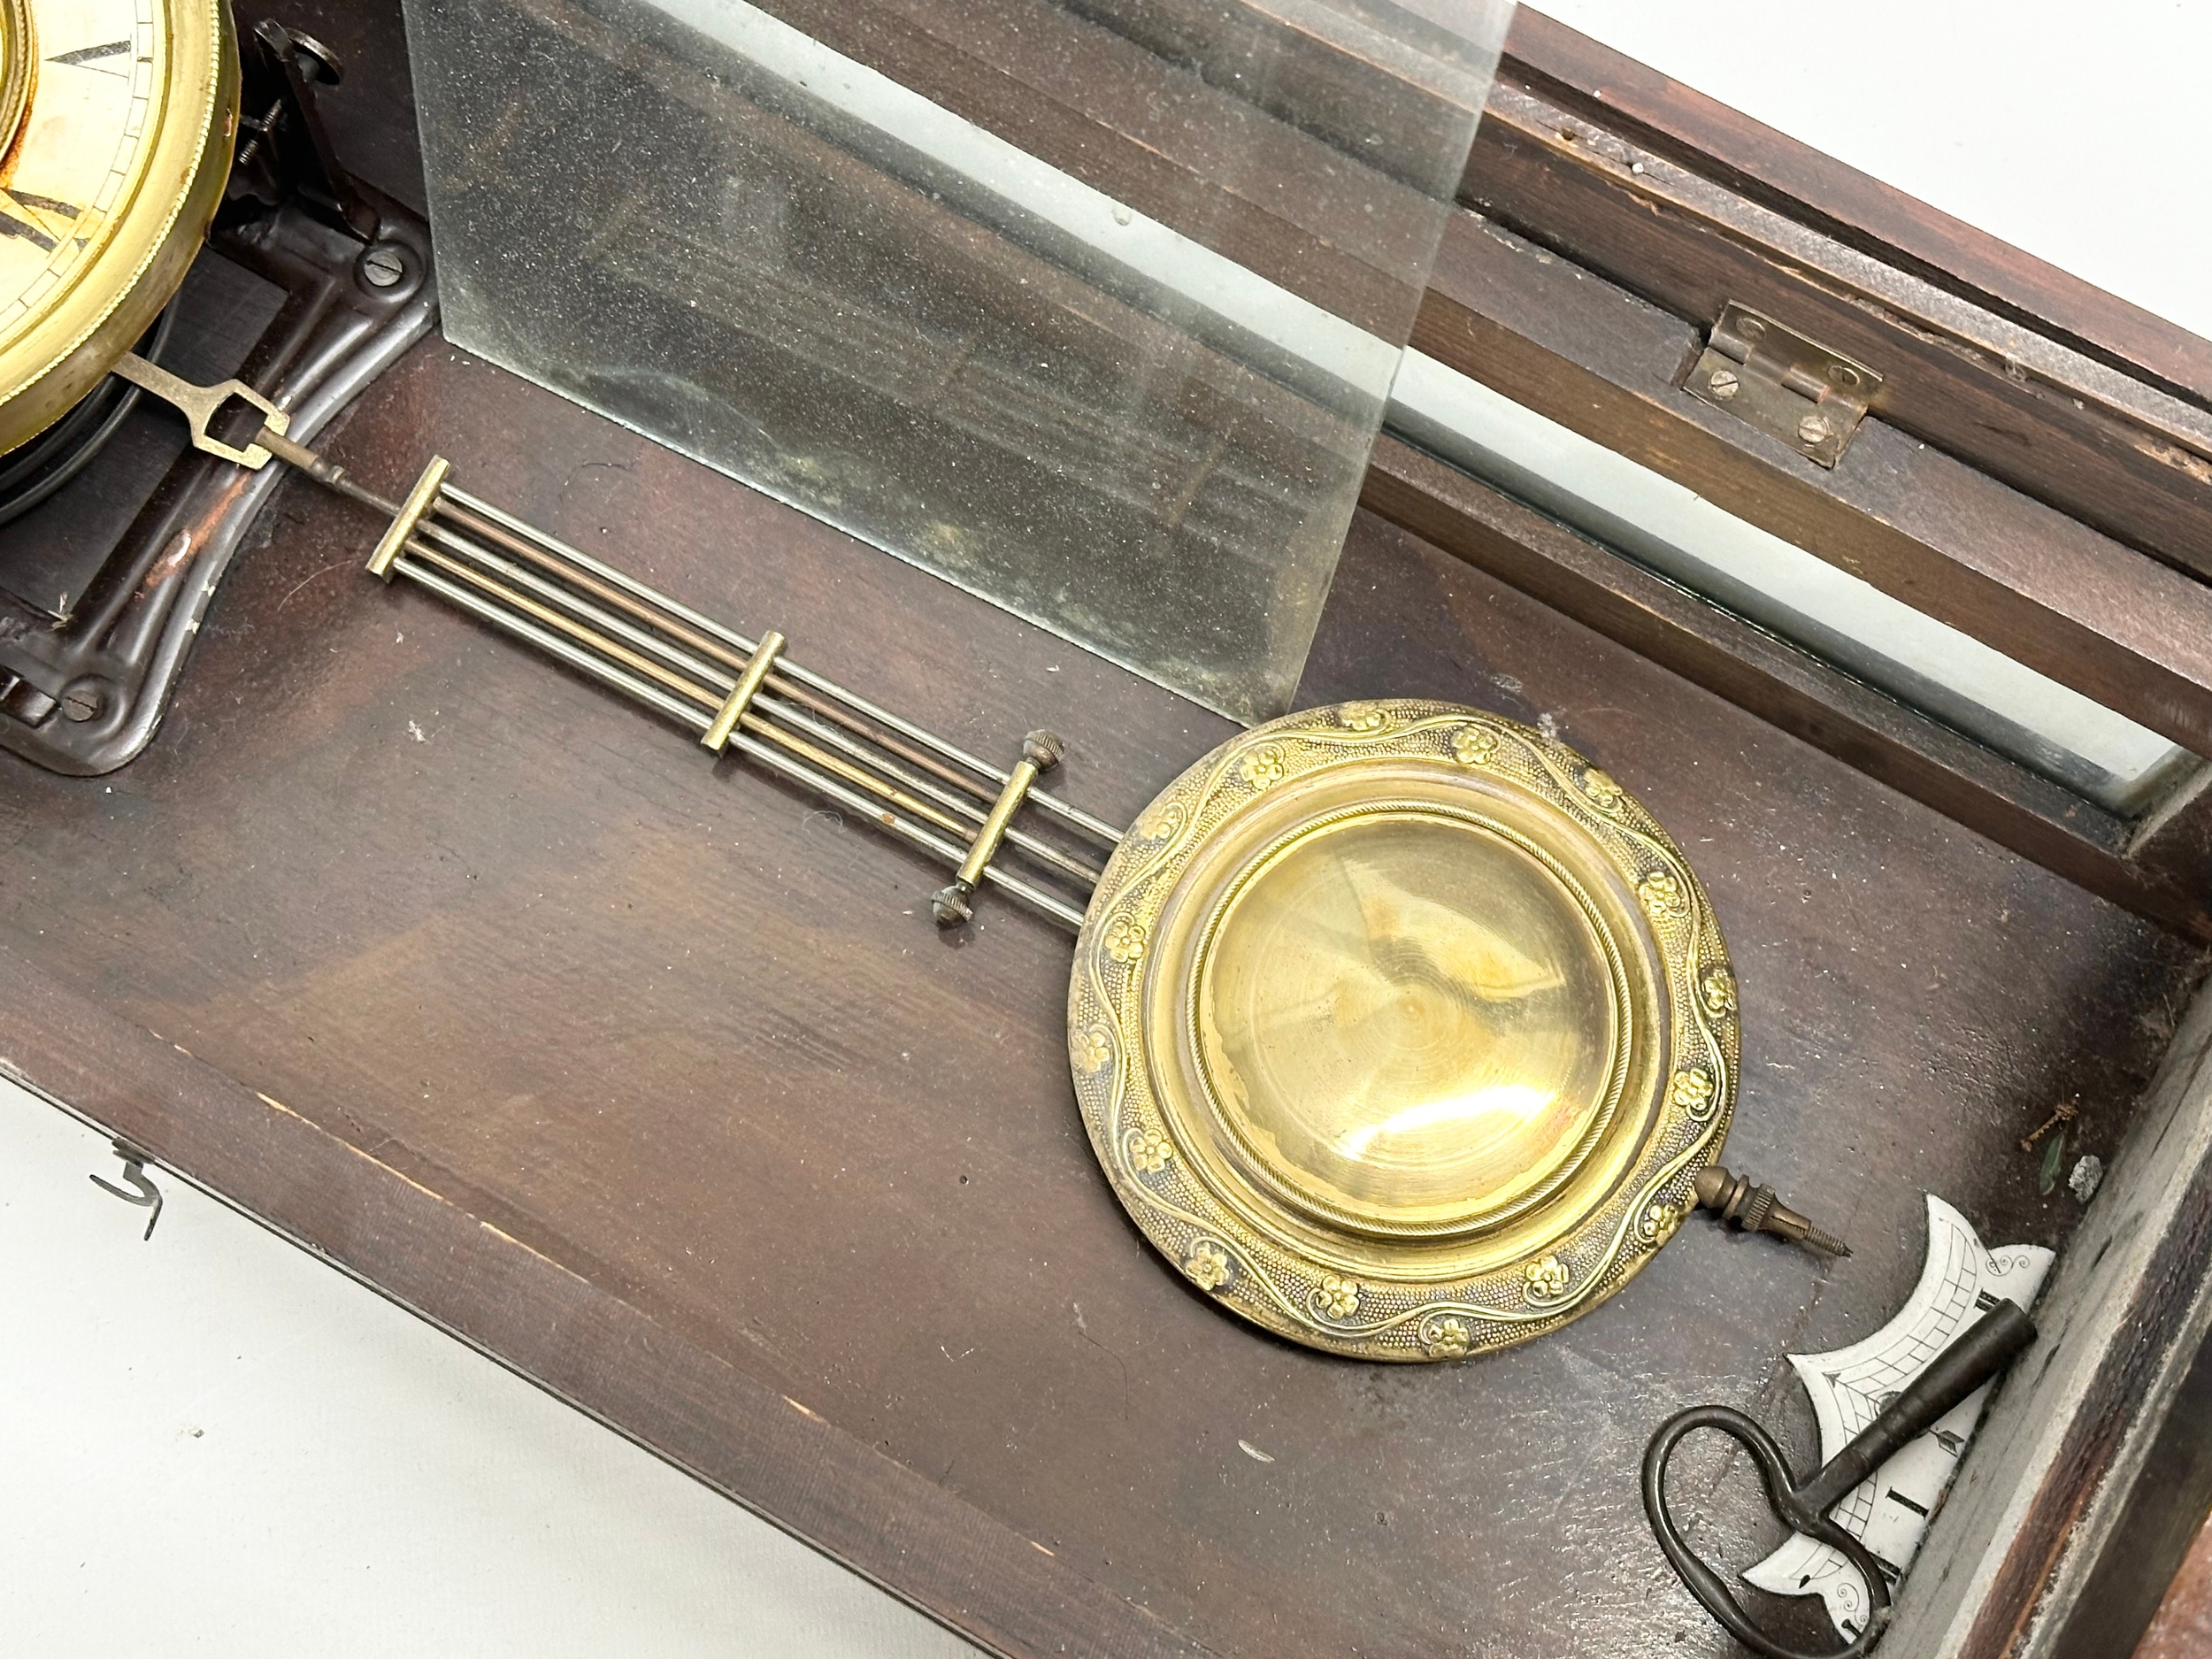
734	692
710	682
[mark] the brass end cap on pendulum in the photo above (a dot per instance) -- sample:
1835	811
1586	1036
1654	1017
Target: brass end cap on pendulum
1041	752
1735	1201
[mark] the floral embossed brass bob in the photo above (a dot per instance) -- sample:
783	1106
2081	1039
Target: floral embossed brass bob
1401	1030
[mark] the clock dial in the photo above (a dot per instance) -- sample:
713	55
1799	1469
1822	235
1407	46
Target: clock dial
118	117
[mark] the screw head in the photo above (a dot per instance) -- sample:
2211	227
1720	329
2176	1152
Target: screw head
1812	430
1724	383
1843	374
86	700
1750	326
381	266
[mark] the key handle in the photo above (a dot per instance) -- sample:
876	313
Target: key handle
1987	1349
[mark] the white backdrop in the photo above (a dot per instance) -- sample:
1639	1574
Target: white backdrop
212	1443
2075	131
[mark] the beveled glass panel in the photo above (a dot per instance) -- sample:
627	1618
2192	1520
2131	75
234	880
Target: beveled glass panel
1091	306
1409	1017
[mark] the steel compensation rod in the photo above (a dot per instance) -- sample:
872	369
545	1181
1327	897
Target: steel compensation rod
797	723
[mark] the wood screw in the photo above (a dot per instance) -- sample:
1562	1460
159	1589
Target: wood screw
2064	1114
382	267
1724	384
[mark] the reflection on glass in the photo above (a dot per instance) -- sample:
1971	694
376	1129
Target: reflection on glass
2022	714
1409	1016
1091	306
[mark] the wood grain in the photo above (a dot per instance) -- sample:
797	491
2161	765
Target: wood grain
2092	1469
1917	523
2182	1628
2120	456
1799	181
653	1080
764	1449
1826	708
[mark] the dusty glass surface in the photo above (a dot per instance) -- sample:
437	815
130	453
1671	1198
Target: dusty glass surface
1092	306
1409	1015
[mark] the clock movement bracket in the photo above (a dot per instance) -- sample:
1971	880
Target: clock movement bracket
84	680
284	154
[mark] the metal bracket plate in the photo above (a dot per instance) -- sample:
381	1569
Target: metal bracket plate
84	696
1790	387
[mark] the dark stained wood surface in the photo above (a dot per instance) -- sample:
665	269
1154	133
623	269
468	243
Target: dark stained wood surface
2092	1469
1969	785
657	1025
2181	1627
2124	457
494	1292
1838	201
654	1080
1952	542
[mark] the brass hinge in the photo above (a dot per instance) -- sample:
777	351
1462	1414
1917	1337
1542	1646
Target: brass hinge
1790	387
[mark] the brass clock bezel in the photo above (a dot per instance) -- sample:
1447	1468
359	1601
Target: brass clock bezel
119	286
1278	1256
18	65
